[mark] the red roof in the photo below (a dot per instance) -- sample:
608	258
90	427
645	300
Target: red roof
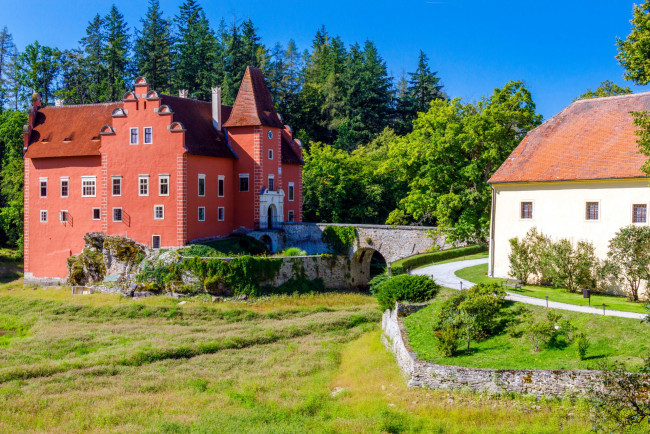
69	131
289	156
254	105
590	139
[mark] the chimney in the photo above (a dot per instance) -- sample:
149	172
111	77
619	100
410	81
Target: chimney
58	102
216	108
183	93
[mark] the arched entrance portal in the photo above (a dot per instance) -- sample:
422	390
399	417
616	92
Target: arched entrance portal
272	216
366	263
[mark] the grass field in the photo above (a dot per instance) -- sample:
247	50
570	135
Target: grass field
619	339
105	363
478	274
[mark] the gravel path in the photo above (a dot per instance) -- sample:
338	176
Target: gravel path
444	274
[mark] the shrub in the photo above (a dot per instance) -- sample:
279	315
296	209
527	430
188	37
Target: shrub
527	257
376	281
339	238
583	345
447	340
547	332
200	250
294	251
404	265
573	268
406	288
629	258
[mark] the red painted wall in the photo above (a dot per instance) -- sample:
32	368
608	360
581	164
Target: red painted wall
292	173
242	142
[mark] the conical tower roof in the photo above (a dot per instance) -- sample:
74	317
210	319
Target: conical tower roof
254	105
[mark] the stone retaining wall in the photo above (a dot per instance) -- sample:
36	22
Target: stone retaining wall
538	382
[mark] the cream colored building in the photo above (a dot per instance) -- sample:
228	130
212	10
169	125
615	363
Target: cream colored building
576	176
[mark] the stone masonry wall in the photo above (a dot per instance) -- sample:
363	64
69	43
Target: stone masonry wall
538	382
336	271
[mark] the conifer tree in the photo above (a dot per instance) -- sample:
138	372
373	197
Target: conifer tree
116	56
234	63
153	49
93	46
6	49
424	86
74	78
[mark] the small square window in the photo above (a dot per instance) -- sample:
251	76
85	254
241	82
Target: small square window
88	186
97	214
639	213
143	183
201	213
158	212
117	186
591	212
221	186
290	217
201	187
64	216
148	135
243	182
43	187
291	192
221	214
155	241
65	187
163	185
526	210
134	136
43	216
117	214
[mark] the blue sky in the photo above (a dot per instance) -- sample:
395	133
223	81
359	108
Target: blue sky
558	47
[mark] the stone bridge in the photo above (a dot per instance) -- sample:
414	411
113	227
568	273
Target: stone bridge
391	242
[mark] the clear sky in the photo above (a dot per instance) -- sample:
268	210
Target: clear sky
558	47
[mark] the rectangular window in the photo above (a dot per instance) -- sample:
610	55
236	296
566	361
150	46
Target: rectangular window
64	216
270	154
158	212
639	213
65	186
43	187
221	214
591	212
88	186
221	189
43	216
117	214
291	191
201	213
290	218
134	136
271	183
97	214
148	135
163	185
155	241
201	184
117	185
243	182
526	210
143	183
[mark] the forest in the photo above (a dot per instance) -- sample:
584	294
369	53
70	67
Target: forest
378	149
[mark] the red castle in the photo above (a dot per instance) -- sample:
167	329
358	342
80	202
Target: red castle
159	169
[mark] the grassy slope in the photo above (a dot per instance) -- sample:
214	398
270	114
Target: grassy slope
478	274
103	363
613	338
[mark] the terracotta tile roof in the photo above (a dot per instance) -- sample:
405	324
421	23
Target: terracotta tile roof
288	154
78	123
590	139
201	138
254	105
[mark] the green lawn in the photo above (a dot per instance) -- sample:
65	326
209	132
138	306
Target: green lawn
461	258
478	274
620	339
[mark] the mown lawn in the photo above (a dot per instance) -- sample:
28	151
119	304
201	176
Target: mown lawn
615	339
478	274
103	363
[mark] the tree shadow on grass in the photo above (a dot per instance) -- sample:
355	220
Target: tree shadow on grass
599	356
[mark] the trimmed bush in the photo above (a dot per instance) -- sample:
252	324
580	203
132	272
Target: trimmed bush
376	281
405	287
403	266
294	251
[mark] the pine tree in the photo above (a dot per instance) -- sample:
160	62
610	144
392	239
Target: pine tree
153	49
74	78
6	49
402	106
234	63
93	46
116	56
424	86
195	49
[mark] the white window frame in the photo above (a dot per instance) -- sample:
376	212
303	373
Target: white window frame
221	179
271	177
67	216
113	179
291	216
137	136
100	213
160	179
140	179
632	213
291	192
42	214
40	187
155	208
533	211
600	211
144	136
247	176
159	241
198	185
61	181
199	214
221	213
270	154
121	214
89	178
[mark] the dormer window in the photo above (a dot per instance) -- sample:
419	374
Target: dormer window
134	136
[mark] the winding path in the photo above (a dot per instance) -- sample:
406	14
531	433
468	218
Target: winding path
445	275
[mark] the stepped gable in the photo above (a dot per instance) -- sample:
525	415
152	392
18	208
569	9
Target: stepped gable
201	137
289	156
254	105
69	131
590	139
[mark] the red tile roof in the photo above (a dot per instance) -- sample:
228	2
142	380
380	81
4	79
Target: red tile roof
69	130
289	156
254	105
590	139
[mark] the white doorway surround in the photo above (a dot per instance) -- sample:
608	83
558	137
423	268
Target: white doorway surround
271	209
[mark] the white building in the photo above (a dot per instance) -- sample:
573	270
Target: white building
576	176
